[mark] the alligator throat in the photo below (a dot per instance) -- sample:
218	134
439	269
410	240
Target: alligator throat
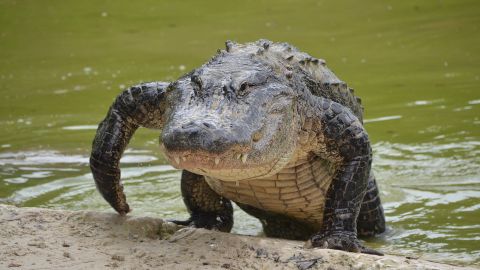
298	190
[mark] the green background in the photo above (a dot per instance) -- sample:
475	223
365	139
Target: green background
414	63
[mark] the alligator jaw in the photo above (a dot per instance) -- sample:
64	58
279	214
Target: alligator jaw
232	166
188	160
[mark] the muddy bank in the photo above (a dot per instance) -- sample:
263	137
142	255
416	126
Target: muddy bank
34	238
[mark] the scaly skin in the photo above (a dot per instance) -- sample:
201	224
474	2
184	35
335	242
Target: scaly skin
207	209
266	126
140	105
348	145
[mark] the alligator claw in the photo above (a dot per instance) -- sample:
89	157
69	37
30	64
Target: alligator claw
123	209
187	222
345	241
207	221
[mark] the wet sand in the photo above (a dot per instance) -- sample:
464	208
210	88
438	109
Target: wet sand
35	238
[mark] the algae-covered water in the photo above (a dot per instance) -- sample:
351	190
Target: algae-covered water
414	63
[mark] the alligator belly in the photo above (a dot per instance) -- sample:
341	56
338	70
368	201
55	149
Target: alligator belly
297	191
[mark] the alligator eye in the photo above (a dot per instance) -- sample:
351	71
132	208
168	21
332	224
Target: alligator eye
197	83
242	90
196	80
243	86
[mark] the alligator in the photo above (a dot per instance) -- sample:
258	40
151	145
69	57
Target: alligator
261	124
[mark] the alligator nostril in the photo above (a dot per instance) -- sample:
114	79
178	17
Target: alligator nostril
193	124
188	125
193	134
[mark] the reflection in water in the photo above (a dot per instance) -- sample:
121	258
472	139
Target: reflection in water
384	118
82	127
426	189
430	193
414	63
54	157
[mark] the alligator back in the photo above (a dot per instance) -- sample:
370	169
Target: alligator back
320	80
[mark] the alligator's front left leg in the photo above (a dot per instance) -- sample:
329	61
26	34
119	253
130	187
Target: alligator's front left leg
141	105
348	147
207	209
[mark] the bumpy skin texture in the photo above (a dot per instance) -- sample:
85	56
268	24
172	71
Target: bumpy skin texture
260	115
207	209
140	105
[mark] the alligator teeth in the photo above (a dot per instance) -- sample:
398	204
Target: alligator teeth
217	160
162	147
244	158
177	159
238	156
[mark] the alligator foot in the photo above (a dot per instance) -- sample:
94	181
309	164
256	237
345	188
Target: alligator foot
209	221
345	241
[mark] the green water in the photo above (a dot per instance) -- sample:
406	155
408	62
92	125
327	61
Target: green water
414	63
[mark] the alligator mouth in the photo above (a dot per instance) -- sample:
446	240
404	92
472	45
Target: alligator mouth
204	161
232	166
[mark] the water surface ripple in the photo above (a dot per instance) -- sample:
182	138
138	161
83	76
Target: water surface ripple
430	193
413	63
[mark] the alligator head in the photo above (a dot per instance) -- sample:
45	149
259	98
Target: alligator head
232	119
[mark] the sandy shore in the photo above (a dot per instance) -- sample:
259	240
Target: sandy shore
34	238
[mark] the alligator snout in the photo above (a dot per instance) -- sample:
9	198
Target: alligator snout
205	137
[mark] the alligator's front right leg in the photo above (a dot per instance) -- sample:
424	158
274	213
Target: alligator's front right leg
345	143
141	105
207	209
